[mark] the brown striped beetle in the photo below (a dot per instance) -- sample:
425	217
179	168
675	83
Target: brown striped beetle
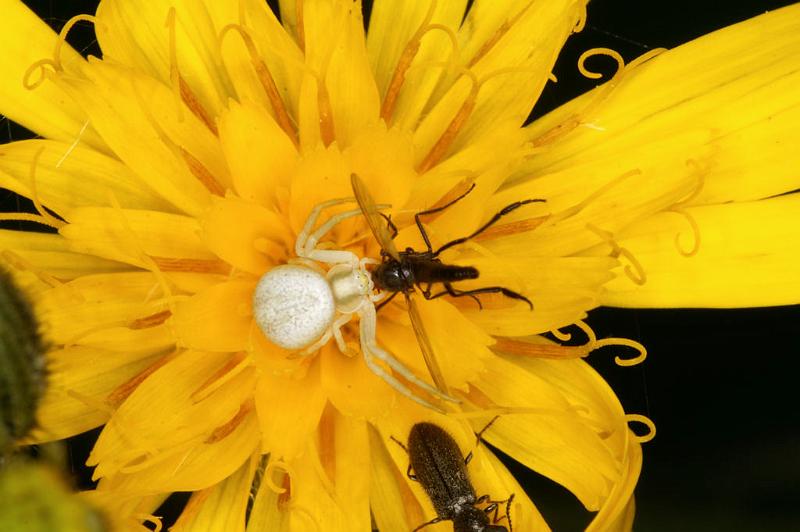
439	466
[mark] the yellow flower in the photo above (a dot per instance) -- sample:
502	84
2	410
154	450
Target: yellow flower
181	168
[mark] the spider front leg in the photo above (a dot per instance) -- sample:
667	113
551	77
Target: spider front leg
316	346
306	243
336	328
370	350
310	247
311	221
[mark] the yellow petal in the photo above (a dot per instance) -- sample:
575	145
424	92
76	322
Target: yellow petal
384	160
137	33
71	176
393	28
221	507
618	511
289	10
399	340
246	235
346	460
128	235
155	135
352	388
313	503
268	357
177	416
557	443
198	466
562	290
278	51
49	254
215	319
490	476
245	130
308	113
593	196
322	174
512	51
95	302
746	257
175	117
47	109
335	50
728	99
269	513
327	484
390	499
288	411
126	513
461	356
79	380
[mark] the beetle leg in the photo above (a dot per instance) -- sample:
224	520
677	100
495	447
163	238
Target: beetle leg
385	301
450	291
398	442
390	223
434	211
431	522
508	512
479	434
493	220
485	290
494	507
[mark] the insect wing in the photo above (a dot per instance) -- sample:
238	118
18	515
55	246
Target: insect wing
425	345
374	219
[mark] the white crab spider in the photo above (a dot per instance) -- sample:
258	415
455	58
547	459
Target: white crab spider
299	306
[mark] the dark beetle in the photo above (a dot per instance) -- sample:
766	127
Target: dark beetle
441	469
401	271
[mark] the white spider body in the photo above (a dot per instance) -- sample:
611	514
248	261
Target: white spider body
294	305
300	306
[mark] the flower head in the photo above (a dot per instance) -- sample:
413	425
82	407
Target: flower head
183	167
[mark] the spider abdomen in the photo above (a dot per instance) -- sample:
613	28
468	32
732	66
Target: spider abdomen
293	305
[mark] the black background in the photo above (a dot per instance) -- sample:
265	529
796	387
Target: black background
720	385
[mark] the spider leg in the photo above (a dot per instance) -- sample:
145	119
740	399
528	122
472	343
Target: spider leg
370	349
307	240
311	221
333	256
325	228
336	327
316	346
